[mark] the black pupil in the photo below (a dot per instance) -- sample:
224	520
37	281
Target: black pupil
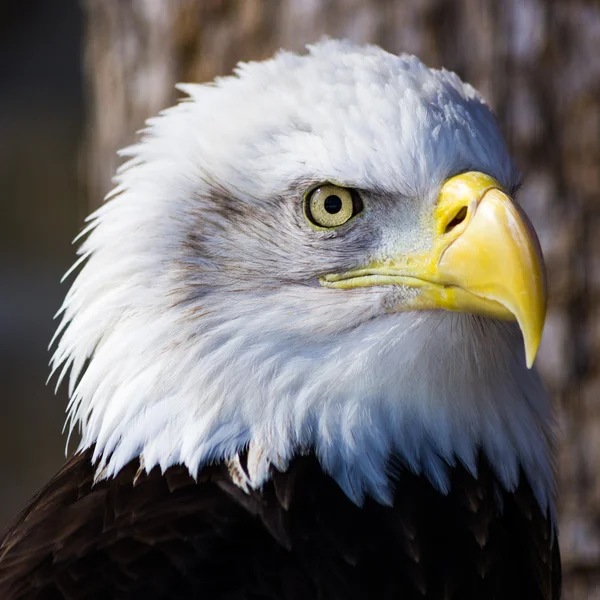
333	204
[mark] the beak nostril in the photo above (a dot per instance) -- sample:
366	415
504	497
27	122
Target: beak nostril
459	217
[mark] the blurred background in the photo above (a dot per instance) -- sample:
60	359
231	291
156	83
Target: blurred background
78	79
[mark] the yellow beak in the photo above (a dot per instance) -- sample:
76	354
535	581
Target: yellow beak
485	259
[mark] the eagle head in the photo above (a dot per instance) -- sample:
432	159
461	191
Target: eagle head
320	253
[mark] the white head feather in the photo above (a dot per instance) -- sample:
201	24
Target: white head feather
197	327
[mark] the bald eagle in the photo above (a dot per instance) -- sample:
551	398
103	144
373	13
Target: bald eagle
299	353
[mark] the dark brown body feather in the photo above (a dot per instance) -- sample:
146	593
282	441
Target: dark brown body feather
168	536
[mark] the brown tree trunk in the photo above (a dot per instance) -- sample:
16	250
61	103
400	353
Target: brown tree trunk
536	61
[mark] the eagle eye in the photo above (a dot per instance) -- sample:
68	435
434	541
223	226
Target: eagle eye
331	205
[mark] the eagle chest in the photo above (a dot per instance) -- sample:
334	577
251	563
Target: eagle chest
300	537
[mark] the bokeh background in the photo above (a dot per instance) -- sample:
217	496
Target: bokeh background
78	79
